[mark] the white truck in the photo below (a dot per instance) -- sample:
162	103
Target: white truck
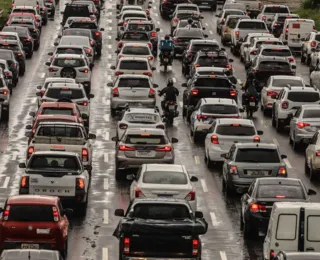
268	13
253	7
63	136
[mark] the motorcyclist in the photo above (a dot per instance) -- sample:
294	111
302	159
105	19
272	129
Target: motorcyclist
166	45
249	90
192	23
170	91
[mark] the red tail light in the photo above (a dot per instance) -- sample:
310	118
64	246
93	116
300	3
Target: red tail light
53	70
176	20
256	139
164	149
84	154
115	92
55	214
87	50
120	23
92	18
12	5
126	245
233	93
13	65
282	171
138	193
121	56
195	247
153	34
126	148
302	125
84	70
221	20
151	93
150	58
27	39
98	34
6	213
214	139
317	153
285	105
270	93
291	59
191	195
42	92
228	67
24	183
313	44
253	52
287	30
194	92
43	8
264	18
120	44
199	117
147	12
237	35
123	126
271	254
30	151
175	41
80	185
254	207
92	43
147	74
150	45
234	170
83	103
4	92
117	73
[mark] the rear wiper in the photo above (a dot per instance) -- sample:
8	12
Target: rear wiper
141	143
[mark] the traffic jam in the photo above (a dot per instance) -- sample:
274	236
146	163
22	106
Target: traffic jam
162	129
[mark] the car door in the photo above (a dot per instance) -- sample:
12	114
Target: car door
311	148
294	121
194	114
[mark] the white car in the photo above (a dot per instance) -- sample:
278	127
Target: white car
131	65
315	76
312	162
164	181
129	8
311	42
136	49
314	58
131	13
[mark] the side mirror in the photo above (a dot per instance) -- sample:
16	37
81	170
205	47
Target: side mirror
247	65
39	87
174	140
90	96
198	214
33	114
130	177
219	9
230	60
153	68
184	85
115	139
118	12
201	17
283	156
157	29
101	29
155	86
113	67
121	28
241	190
224	155
59	36
50	53
194	179
29	127
191	108
56	44
1	210
84	116
68	212
110	84
222	49
92	136
312	192
260	132
205	35
22	165
217	14
274	96
119	212
269	20
48	63
61	13
241	110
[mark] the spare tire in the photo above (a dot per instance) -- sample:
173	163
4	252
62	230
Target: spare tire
68	72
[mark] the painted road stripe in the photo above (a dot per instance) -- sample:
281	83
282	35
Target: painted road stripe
105	183
211	32
43	75
6	183
105	216
106	117
204	185
106	157
108	102
197	159
14	157
276	142
190	138
107	136
105	253
109	77
34	100
287	163
223	255
213	219
180	103
109	46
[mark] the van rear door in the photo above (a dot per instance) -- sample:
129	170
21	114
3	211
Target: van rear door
299	30
312	234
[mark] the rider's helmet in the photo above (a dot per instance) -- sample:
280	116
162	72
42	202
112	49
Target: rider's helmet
190	20
167	37
169	82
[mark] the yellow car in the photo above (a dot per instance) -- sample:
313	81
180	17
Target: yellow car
229	25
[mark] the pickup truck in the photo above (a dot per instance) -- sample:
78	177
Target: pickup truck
63	136
268	13
242	29
160	228
253	7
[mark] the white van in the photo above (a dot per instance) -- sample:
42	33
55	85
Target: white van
293	227
295	32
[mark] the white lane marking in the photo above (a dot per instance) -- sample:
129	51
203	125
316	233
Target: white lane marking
197	159
174	80
110	37
109	56
204	185
106	184
109	21
214	219
34	100
223	255
190	138
276	142
106	136
211	32
105	253
6	183
14	157
109	77
161	29
108	102
206	24
107	117
158	22
180	103
286	161
106	157
152	1
156	14
43	75
105	217
109	46
154	8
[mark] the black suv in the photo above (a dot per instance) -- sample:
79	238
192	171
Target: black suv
18	51
167	7
74	10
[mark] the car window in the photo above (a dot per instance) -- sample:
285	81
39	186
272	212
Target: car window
140	27
257	155
183	16
284	82
188	7
84	41
219	109
276	9
303	96
61	131
212	60
281	19
133	83
142	118
68	62
135	36
30	213
16	10
57	111
259	43
233	13
77	32
133	15
83	25
133	65
281	191
276	52
53	162
236	129
58	93
274	65
160	211
189	33
232	22
136	50
7	37
209	47
145	139
311	113
251	25
13	47
163	177
212	82
287	227
69	50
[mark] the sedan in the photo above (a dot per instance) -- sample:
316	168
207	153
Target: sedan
133	49
163	181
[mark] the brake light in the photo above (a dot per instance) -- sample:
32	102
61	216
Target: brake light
55	214
317	153
282	171
153	34
271	254
150	45
4	92
138	193
234	170
19	54
233	93
147	12
27	39
91	42
264	18
6	213
12	5
166	2
196	65
120	44
175	41
313	44
287	30
80	184
24	183
302	125
92	18
126	245
84	70
270	93
253	52
151	93
97	33
199	117
43	8
123	126
147	74
291	59
285	105
117	73
237	35
256	139
126	148
115	92
150	58
30	151
164	149
87	50
254	207
83	103
214	139
85	154
195	247
194	92
120	23
43	100
53	70
175	20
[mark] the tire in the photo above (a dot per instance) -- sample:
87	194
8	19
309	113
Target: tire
279	126
30	54
308	60
241	221
184	111
22	71
312	174
208	162
196	137
113	112
165	68
36	46
64	252
303	58
191	133
273	120
118	174
5	115
82	208
241	59
306	167
213	8
99	52
223	42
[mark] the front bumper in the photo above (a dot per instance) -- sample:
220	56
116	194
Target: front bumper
118	104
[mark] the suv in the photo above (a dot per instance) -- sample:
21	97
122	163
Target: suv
268	13
34	222
138	146
71	66
289	101
17	48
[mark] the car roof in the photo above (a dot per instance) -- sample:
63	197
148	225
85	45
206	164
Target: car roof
279	180
69	55
58	104
259	34
135	32
134	58
15	254
69	46
24	7
56	117
186	4
141	21
232	9
10	51
186	11
32	200
77	29
225	121
164	167
131	6
257	145
153	131
224	101
133	76
273	46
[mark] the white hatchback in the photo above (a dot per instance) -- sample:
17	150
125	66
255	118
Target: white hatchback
134	49
132	65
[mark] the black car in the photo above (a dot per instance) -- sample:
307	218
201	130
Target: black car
96	31
212	4
167	7
183	36
192	49
18	51
206	86
25	38
256	204
74	10
9	56
91	6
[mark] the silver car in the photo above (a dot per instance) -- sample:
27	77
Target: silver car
247	161
304	124
142	145
30	254
134	90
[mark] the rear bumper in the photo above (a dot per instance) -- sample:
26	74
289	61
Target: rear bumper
215	153
118	104
258	222
134	163
303	137
42	245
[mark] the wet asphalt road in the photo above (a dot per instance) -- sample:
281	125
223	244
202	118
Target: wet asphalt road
92	238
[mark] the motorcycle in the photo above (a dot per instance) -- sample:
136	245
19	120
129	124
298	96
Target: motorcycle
169	109
166	60
251	106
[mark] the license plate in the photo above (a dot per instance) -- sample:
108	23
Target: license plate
30	246
252	104
171	107
214	93
166	59
144	154
253	173
164	196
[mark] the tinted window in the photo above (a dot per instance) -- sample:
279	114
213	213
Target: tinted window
63	131
284	82
188	7
69	50
24	11
280	191
22	22
274	10
251	25
209	47
133	83
202	72
12	47
274	65
83	25
77	32
68	62
219	109
142	118
317	38
212	82
160	211
303	96
258	44
57	93
2	66
276	52
136	36
235	130
57	111
134	15
182	16
190	33
207	61
140	27
311	113
53	162
136	50
144	139
7	37
30	213
258	155
20	31
133	65
74	41
164	177
233	22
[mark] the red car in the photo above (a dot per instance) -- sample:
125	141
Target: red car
34	222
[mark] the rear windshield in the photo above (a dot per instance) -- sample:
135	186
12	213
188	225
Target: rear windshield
140	118
252	25
16	10
186	15
184	23
258	156
212	82
274	65
160	211
303	96
141	27
207	61
12	47
77	32
31	213
276	9
188	7
69	50
236	129
258	44
281	19
133	65
83	25
133	15
54	162
164	177
276	52
20	31
141	139
68	62
57	93
8	37
62	131
135	36
136	50
280	191
74	41
5	56
219	109
208	47
284	82
133	83
311	113
217	73
57	111
189	33
233	13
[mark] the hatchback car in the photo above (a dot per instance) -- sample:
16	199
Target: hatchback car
135	37
133	65
141	50
142	145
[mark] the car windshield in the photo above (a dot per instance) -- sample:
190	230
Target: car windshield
135	36
58	93
133	65
274	65
77	32
284	82
276	9
145	139
13	47
259	43
311	113
142	118
7	37
140	27
189	33
160	211
61	131
209	47
62	50
68	62
219	109
276	52
133	15
257	155
83	25
280	191
136	50
236	129
54	162
133	83
212	60
31	213
84	41
212	82
57	111
252	25
164	177
303	96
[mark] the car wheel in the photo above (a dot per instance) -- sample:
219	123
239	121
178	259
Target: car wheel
303	58
290	139
36	46
312	173
99	52
308	60
118	174
82	208
208	162
224	43
279	126
213	8
22	71
183	70
64	252
306	167
241	58
191	132
113	112
5	115
241	220
196	137
30	54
